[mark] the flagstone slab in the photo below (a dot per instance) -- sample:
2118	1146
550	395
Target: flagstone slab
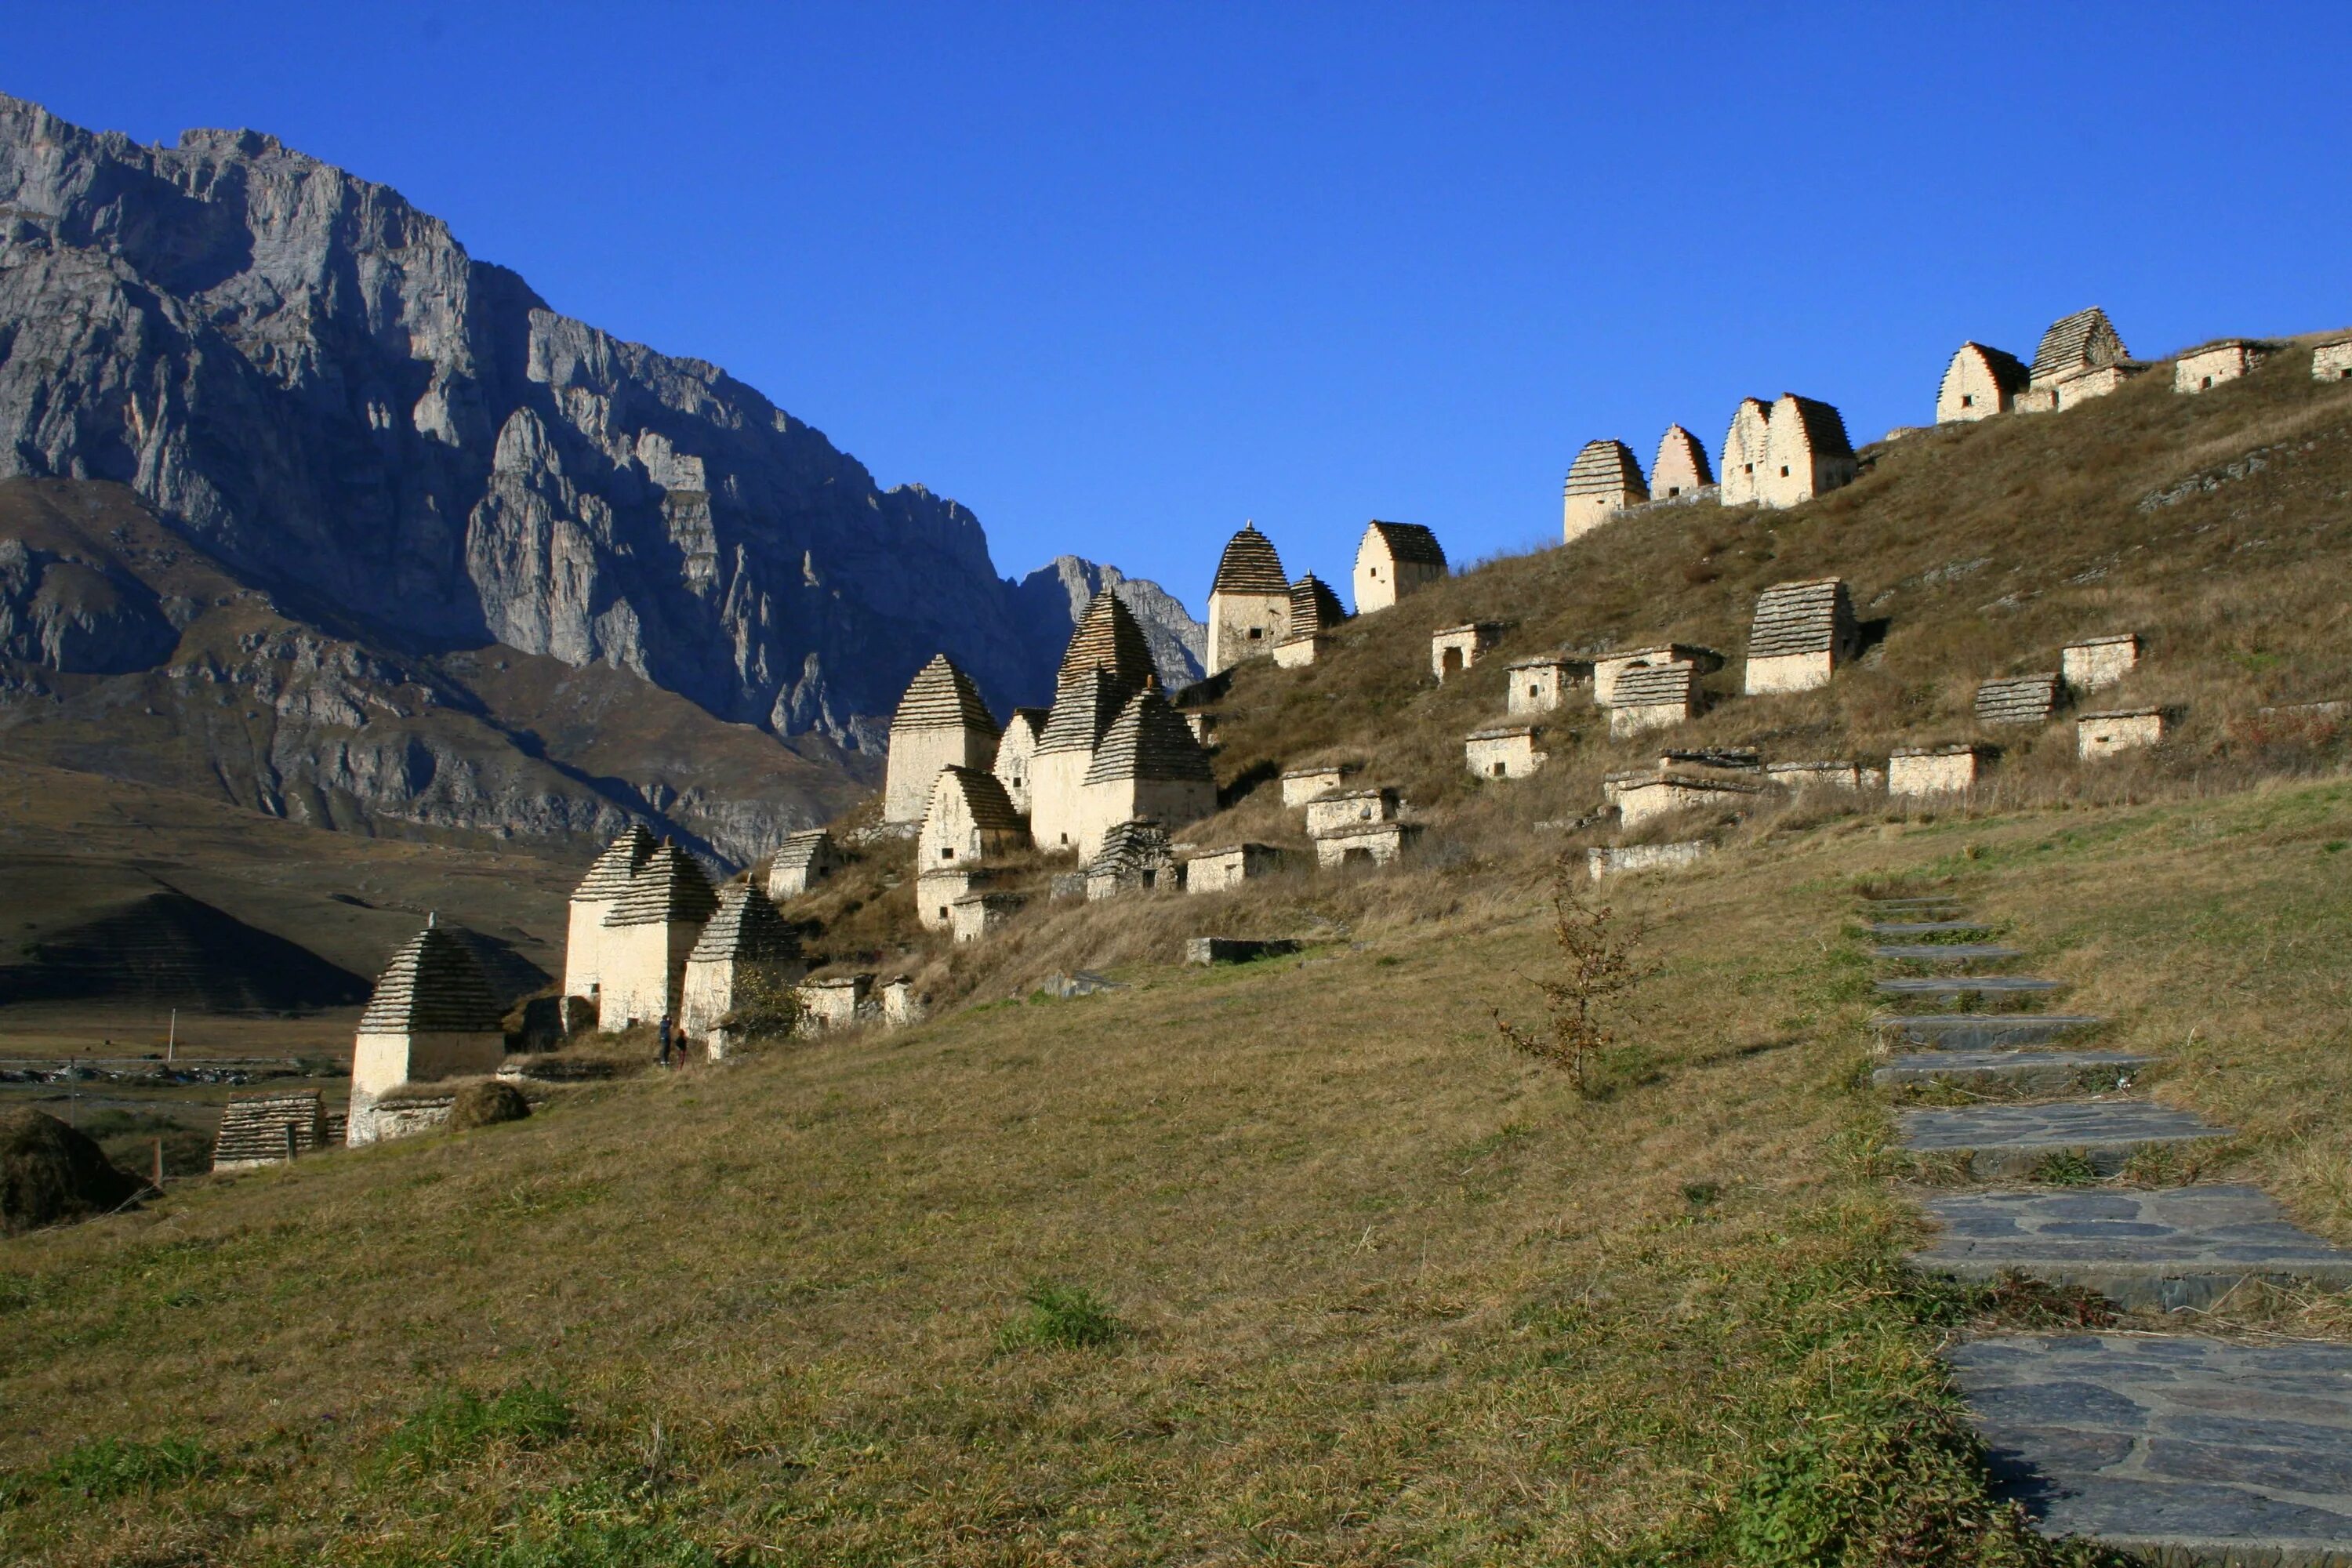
1967	985
2025	1072
2013	1141
2164	1249
1948	953
2192	1450
1923	928
1983	1031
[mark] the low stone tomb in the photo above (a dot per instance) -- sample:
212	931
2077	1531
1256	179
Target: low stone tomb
268	1129
1653	696
1350	808
1602	864
1802	633
1640	799
1541	685
901	1006
975	915
2332	361
1219	871
936	892
2119	729
1823	775
1609	667
2018	699
833	1003
1366	842
1208	949
2201	370
1301	786
1936	770
804	860
1456	649
1506	752
2095	662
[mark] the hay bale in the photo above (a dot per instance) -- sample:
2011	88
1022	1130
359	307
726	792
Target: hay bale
51	1174
485	1102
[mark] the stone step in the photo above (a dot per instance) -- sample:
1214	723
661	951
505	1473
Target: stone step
1967	985
2011	1142
1893	904
2187	1449
2029	1072
1923	928
1981	1031
2167	1249
1947	952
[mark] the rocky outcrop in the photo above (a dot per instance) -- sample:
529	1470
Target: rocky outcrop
313	381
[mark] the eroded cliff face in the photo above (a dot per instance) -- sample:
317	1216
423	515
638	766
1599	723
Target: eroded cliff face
313	382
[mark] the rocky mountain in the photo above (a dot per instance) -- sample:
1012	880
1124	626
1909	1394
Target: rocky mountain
312	383
1051	601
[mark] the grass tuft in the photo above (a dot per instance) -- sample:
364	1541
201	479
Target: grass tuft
458	1423
109	1468
1060	1317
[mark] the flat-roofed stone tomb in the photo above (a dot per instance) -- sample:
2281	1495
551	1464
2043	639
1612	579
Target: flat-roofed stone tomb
942	722
2204	369
1014	750
2118	730
1504	752
1643	796
1366	844
1314	612
607	878
1605	479
1350	808
1249	601
937	888
2018	699
652	928
1624	859
1802	632
1945	769
1455	649
1831	775
1223	870
746	955
1394	561
834	1002
1542	684
801	862
2332	361
1301	786
2095	662
432	1015
1980	382
1744	451
975	915
1681	470
1806	453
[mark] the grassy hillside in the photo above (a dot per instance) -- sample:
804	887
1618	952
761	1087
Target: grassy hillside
1300	1262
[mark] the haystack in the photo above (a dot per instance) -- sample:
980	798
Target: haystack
52	1175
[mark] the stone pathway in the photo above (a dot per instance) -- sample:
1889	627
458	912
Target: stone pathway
1922	928
1948	953
2187	1449
1969	985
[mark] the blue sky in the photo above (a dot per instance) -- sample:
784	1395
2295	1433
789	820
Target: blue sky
1119	277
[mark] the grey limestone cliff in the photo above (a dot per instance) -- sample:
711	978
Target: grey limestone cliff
314	383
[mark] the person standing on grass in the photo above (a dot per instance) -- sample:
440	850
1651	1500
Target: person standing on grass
662	1034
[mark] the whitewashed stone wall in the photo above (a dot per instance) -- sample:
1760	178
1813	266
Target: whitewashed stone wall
977	914
1246	626
1971	390
1640	800
1058	787
916	758
2332	361
1456	649
1801	776
381	1063
2098	735
1370	843
1508	753
1541	685
1345	809
1934	771
2095	662
1600	864
833	1004
1170	802
584	937
644	972
711	990
1017	752
938	888
1301	786
1743	452
1222	870
2201	370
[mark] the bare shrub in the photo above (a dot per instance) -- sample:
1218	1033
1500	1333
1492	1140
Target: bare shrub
1599	968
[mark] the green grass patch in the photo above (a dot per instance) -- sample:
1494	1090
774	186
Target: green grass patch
458	1423
1060	1317
111	1468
